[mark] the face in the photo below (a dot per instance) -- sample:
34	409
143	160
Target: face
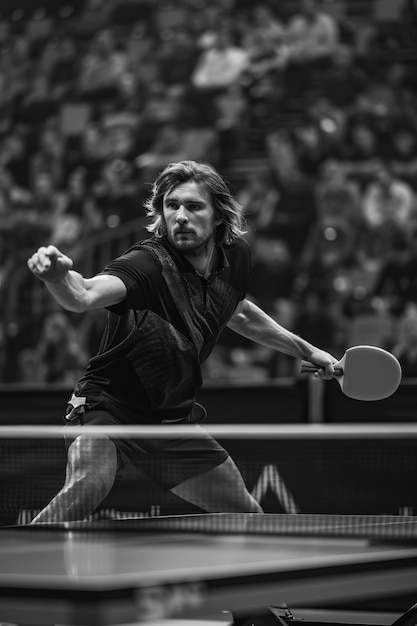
189	217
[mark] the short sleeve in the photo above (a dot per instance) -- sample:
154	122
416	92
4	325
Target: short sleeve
140	271
239	258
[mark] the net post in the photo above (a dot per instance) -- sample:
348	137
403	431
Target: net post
315	408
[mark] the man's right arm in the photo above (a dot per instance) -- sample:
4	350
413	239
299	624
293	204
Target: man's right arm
69	288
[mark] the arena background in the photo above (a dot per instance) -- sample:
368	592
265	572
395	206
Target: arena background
318	141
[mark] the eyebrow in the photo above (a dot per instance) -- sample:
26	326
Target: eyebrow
176	198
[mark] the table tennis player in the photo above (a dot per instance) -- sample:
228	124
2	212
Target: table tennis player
168	298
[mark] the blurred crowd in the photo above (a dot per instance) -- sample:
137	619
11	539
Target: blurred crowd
310	113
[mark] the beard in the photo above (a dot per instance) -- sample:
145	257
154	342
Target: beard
190	243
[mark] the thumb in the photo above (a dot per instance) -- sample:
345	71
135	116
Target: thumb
63	262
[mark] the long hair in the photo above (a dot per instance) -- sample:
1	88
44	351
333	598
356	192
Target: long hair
225	205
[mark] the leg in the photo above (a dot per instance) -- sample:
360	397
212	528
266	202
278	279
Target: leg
219	490
91	470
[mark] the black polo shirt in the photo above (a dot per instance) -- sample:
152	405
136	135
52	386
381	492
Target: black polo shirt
155	340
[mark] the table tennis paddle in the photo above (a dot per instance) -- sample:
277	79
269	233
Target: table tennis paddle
364	373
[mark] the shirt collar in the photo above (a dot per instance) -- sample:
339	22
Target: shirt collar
184	265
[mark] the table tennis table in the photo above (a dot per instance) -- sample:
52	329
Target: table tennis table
126	571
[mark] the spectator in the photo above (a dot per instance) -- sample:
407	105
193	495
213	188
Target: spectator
50	157
18	221
403	154
319	318
58	352
319	136
140	45
309	147
17	59
38	104
114	192
336	195
5	226
273	271
176	143
264	20
177	55
13	156
65	69
330	247
16	67
94	149
259	198
102	68
168	146
47	205
30	368
120	129
218	68
265	46
232	122
361	153
311	34
80	215
389	217
330	120
312	37
344	80
164	105
387	198
95	15
397	279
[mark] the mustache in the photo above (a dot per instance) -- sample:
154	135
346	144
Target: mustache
181	229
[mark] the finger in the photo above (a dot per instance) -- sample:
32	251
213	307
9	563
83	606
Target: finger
331	371
31	264
327	371
35	263
52	251
44	256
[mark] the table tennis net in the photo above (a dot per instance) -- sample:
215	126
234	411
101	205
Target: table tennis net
288	471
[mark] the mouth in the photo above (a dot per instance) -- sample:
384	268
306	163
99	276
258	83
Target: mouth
182	232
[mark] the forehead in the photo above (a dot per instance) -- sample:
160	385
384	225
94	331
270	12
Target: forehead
188	190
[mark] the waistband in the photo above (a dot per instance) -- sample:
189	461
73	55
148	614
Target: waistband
78	405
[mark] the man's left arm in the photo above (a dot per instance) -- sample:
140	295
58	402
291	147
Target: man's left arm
253	323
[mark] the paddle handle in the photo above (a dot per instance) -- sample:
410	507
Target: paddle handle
310	368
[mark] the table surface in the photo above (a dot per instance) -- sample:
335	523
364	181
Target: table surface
124	570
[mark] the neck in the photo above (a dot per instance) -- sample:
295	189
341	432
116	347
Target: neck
203	259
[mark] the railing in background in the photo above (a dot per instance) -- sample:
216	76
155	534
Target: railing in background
26	296
279	401
100	248
25	302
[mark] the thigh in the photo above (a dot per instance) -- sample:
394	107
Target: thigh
171	461
92	454
220	489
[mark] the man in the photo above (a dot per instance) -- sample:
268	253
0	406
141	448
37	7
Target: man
311	33
312	39
168	299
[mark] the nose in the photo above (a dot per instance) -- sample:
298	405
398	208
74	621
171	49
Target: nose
182	216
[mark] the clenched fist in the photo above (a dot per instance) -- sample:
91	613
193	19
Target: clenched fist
49	264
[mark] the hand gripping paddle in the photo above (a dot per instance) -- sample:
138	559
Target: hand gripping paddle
364	373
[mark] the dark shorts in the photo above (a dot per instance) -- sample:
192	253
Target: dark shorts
168	462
